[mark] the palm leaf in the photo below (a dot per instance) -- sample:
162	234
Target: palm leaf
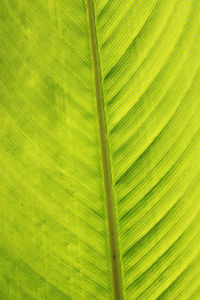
99	152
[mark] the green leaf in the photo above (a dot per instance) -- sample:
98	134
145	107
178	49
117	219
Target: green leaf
99	149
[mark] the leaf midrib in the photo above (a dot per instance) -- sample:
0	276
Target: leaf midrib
107	176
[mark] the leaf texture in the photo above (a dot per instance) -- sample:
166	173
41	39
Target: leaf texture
62	235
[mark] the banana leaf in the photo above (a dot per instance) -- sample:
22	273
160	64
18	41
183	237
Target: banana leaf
99	149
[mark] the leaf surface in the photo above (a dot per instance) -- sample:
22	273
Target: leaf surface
99	149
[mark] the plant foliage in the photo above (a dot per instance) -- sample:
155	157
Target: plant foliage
99	149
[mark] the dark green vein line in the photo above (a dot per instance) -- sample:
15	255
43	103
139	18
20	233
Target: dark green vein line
114	248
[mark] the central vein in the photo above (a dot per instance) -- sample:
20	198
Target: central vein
114	249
